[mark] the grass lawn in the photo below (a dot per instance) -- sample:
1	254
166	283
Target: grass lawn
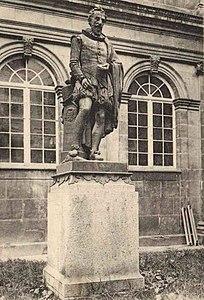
173	275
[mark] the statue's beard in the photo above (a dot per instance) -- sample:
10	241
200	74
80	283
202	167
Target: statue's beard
97	29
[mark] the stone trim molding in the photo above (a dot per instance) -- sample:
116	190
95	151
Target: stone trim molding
165	70
28	46
189	104
120	7
42	53
99	178
199	68
154	63
125	97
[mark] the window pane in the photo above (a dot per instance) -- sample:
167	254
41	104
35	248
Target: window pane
5	73
17	95
22	74
132	132
142	79
16	125
35	97
142	107
157	134
146	88
132	145
168	160
36	112
132	119
50	156
165	91
157	108
34	65
168	134
16	140
152	89
143	159
157	147
157	121
49	113
157	94
4	140
157	160
4	94
168	122
4	110
36	81
49	142
133	88
142	92
49	127
4	155
30	75
17	155
49	98
36	126
46	78
4	125
132	106
155	81
167	109
132	157
142	120
36	141
168	147
36	156
17	79
16	110
17	64
143	146
142	133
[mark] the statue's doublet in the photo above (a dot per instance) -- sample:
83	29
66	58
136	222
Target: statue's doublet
93	53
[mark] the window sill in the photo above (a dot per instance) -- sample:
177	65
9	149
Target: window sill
27	166
140	174
153	169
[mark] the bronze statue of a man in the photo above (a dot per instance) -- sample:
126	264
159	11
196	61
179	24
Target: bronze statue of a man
96	80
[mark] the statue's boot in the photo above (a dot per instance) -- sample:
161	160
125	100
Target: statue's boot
95	155
73	154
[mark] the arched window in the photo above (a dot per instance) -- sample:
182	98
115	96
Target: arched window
28	112
151	133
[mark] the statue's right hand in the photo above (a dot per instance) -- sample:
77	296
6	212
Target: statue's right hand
86	84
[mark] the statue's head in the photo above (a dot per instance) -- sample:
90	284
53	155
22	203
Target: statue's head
97	18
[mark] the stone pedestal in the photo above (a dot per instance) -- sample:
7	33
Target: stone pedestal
92	231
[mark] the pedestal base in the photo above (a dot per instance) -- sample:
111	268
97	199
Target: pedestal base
63	289
92	231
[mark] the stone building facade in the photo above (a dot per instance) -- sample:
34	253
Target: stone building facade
160	133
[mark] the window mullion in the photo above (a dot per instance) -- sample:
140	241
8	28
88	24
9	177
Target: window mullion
26	126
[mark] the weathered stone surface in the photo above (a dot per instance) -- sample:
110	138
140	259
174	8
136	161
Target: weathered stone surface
3	184
92	232
170	224
10	209
149	225
91	167
149	206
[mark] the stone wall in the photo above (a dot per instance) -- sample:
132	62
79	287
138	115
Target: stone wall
23	206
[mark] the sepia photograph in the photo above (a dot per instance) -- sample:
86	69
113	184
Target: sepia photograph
101	150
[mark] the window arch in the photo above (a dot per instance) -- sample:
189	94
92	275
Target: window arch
151	130
28	112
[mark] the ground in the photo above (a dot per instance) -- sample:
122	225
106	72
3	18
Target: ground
169	275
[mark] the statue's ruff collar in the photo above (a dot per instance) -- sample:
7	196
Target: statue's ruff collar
93	36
